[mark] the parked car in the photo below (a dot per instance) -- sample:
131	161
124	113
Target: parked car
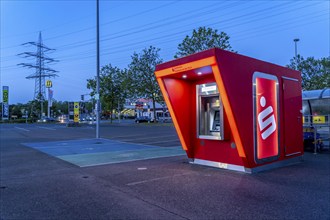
46	119
90	118
142	119
63	119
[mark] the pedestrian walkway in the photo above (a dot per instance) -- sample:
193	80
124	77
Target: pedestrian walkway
92	152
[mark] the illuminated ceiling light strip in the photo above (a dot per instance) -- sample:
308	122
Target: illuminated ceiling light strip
186	67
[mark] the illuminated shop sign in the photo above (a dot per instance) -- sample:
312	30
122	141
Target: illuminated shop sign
266	129
209	89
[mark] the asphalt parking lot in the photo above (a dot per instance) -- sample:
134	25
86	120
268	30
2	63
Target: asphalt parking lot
38	184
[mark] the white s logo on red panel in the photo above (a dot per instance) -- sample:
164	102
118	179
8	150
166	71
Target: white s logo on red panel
266	120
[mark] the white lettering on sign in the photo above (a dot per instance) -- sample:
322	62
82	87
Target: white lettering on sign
5	111
223	165
209	88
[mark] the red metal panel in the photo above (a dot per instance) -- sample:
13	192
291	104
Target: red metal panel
179	92
292	102
237	76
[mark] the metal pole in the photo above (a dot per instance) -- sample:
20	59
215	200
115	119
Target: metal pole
118	111
315	141
48	108
40	79
97	72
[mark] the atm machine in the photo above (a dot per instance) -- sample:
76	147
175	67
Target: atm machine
210	112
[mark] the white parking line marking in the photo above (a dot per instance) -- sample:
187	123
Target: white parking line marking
148	138
135	135
157	142
156	179
52	129
23	129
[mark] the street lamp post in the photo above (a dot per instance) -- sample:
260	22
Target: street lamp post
97	72
295	46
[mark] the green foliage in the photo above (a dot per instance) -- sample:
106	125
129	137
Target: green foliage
315	73
142	68
203	39
60	108
142	77
34	108
112	87
16	110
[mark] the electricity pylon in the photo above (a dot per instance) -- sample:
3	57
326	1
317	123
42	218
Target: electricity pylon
41	70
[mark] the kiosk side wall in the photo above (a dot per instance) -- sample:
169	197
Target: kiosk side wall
237	74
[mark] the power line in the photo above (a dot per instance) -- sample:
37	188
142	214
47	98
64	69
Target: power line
93	27
41	71
88	42
230	23
76	44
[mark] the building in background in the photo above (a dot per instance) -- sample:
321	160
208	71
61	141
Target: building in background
143	108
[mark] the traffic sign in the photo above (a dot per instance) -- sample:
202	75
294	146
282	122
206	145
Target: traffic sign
76	112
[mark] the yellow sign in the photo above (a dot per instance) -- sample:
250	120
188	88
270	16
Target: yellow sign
319	119
49	84
76	111
5	94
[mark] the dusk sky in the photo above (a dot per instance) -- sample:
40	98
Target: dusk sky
261	29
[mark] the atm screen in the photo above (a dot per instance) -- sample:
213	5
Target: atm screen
216	121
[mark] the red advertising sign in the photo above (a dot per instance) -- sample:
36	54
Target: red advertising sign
266	117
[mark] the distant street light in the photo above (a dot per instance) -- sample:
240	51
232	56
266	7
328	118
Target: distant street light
295	46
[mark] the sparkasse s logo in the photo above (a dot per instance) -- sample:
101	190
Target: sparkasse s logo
266	116
266	120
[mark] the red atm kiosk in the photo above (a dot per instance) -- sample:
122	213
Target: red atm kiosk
234	112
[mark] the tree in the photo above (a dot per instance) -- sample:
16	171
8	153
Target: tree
34	107
60	107
203	39
112	90
16	110
141	72
315	73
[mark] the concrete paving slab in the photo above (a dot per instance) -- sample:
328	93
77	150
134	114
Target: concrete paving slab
84	160
91	152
